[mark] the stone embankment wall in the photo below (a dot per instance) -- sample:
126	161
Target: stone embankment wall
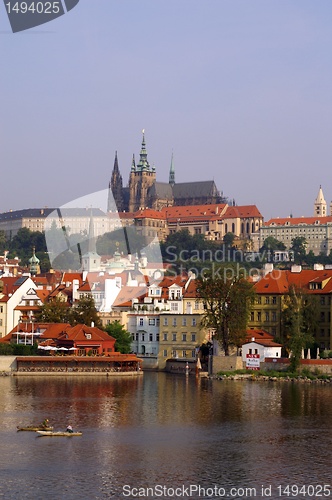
232	363
226	364
323	366
8	364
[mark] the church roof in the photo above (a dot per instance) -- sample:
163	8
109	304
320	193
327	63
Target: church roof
161	190
195	189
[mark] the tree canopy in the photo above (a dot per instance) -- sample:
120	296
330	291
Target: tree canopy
122	336
299	322
227	300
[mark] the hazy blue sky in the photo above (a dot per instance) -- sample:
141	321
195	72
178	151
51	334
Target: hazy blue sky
240	90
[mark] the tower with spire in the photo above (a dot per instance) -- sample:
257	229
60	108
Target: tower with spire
115	189
172	173
142	177
320	204
91	260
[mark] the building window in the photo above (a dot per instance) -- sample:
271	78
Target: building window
196	304
274	300
136	337
152	322
193	337
165	353
259	316
322	301
165	321
184	354
193	322
174	306
141	322
133	337
165	336
157	337
151	337
274	316
143	337
174	321
267	300
184	321
267	316
184	337
259	300
174	337
252	316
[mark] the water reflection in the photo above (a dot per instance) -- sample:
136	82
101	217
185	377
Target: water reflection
161	429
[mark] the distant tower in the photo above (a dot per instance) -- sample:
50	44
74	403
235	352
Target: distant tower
115	189
320	204
172	173
91	260
141	178
34	266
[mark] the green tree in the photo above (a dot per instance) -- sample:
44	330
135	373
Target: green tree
299	245
122	336
55	311
3	241
84	311
299	322
227	299
229	239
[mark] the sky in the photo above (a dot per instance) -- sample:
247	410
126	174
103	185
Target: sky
238	90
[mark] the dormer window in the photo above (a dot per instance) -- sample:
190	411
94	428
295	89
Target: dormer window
88	336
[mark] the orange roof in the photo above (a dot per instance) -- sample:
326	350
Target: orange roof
278	281
78	333
194	211
148	213
258	335
242	212
294	221
69	277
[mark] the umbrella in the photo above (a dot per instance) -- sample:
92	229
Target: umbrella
62	349
41	347
73	348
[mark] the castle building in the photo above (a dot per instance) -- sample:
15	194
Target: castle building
144	191
316	230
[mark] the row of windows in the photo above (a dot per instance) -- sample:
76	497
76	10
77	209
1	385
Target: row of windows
267	316
184	321
267	300
184	337
184	354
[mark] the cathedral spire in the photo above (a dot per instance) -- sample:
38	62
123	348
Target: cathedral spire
143	157
133	165
115	188
172	173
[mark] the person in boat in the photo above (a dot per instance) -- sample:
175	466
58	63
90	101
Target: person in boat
69	429
45	423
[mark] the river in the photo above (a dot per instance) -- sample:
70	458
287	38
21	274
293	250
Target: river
165	436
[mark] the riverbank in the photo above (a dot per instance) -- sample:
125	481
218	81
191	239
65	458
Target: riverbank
257	376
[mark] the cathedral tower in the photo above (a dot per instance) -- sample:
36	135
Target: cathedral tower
115	189
141	178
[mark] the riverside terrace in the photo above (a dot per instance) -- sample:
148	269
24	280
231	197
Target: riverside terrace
113	364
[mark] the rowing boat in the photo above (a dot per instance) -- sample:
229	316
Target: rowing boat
34	428
59	433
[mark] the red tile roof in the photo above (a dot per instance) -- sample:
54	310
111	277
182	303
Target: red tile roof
294	221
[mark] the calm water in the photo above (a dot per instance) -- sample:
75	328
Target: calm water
163	430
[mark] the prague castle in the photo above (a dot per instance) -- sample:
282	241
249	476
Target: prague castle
144	191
